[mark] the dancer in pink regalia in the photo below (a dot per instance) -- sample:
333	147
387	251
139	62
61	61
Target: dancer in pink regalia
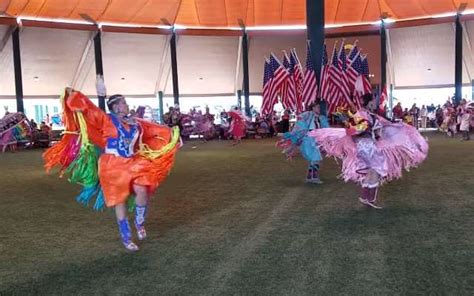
238	125
373	150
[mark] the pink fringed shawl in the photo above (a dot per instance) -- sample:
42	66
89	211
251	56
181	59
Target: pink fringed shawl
402	146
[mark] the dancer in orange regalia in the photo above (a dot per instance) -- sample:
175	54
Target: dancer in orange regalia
114	157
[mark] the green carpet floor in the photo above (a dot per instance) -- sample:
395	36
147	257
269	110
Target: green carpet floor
241	221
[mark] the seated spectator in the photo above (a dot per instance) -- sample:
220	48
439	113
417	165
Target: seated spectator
44	127
285	122
398	111
43	137
407	117
33	124
263	129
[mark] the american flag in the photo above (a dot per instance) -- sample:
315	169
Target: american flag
365	66
324	84
298	78
344	85
365	74
333	82
288	95
267	77
357	65
358	84
354	52
310	84
334	71
279	76
352	73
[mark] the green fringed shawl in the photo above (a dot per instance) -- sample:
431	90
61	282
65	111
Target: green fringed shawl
84	169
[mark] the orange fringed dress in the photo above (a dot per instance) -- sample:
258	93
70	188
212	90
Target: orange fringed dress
117	174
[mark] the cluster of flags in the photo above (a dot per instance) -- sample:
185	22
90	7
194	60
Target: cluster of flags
344	80
288	82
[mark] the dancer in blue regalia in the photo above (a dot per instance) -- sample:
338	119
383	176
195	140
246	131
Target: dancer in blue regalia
298	140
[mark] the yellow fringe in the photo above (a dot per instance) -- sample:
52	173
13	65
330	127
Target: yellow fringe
82	127
148	153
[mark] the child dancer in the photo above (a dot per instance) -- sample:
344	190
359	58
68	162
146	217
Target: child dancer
113	156
373	150
298	138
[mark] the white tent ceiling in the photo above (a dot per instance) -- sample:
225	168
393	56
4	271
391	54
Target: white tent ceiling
139	64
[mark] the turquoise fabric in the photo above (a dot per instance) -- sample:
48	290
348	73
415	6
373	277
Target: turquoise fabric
299	135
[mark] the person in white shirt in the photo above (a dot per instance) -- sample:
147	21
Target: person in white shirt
424	116
464	114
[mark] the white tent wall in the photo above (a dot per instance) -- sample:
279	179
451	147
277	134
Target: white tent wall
138	65
417	49
468	61
423	62
206	65
49	58
468	55
131	63
262	46
7	77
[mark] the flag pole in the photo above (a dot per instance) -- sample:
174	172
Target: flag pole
354	46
